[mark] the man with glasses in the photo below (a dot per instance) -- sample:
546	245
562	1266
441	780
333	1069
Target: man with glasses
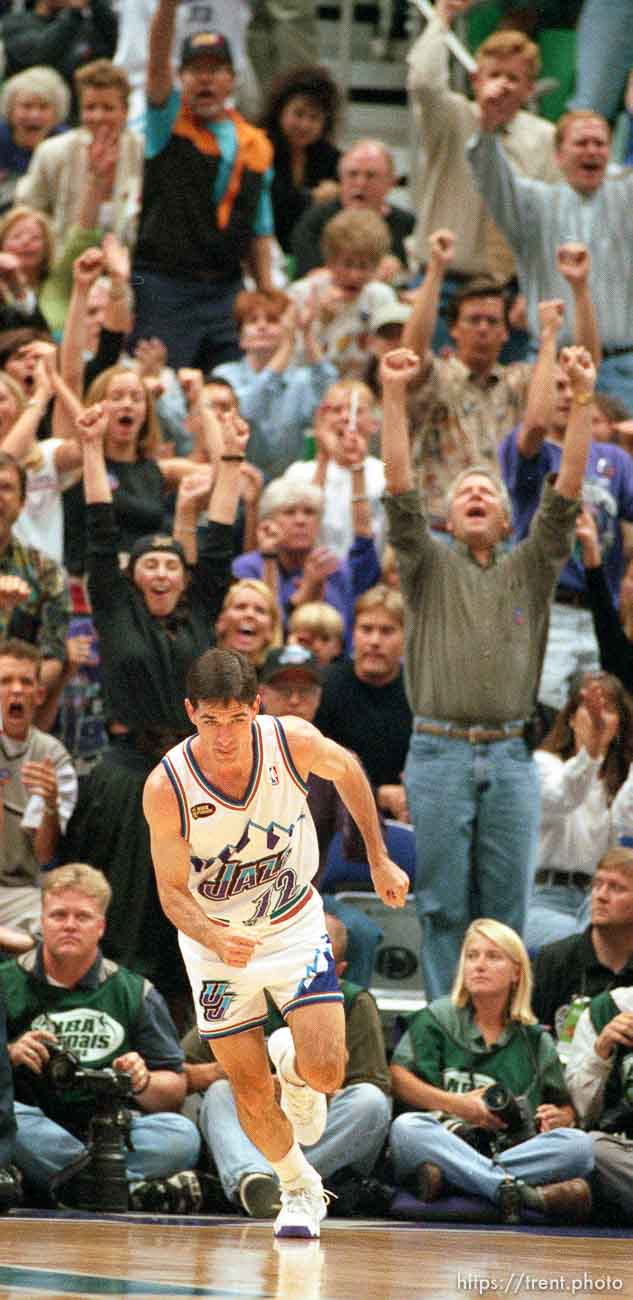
367	176
65	995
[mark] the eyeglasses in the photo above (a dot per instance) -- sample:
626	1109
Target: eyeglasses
482	319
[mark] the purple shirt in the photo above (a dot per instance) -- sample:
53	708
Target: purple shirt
356	574
607	490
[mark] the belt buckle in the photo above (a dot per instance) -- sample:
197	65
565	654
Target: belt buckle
476	735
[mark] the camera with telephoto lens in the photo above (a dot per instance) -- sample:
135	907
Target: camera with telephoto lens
99	1181
515	1113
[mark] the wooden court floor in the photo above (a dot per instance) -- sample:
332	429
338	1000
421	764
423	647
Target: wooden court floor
59	1256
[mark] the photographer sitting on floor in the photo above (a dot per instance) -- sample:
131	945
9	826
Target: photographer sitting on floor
453	1051
65	995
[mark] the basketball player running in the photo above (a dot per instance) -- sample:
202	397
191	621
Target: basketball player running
235	849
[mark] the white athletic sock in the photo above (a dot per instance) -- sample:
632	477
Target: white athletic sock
289	1067
294	1168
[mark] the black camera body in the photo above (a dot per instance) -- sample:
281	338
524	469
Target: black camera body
64	1070
515	1113
101	1181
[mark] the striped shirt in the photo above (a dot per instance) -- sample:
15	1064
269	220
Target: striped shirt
536	217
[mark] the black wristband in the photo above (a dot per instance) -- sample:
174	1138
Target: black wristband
236	457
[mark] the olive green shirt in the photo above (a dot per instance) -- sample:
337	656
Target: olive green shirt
475	637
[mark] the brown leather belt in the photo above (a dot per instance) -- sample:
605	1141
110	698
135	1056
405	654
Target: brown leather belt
579	879
475	734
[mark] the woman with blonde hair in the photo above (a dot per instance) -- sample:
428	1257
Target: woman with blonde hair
131	444
27	254
489	1111
250	620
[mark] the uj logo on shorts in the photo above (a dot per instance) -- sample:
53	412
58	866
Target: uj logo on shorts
216	998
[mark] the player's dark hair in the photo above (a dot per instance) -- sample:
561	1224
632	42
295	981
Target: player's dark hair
223	675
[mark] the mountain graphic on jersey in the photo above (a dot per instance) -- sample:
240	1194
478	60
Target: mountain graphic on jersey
227	874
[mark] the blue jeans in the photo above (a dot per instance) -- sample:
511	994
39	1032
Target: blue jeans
357	1126
193	318
604	44
164	1144
475	810
571	648
555	912
613	1158
547	1158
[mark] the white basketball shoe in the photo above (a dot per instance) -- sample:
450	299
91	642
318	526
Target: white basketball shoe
302	1209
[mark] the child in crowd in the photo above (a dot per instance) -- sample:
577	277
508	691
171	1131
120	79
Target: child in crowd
320	628
277	396
346	289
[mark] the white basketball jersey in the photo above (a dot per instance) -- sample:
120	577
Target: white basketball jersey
252	859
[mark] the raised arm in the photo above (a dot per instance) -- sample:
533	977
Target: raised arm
192	497
161	40
397	369
418	330
428	57
226	488
91	426
313	752
502	189
574	263
541	393
616	651
581	373
116	265
23	432
86	270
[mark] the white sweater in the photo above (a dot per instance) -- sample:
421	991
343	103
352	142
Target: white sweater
577	823
586	1072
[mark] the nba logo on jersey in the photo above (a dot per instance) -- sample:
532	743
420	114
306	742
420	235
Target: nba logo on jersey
273	774
216	998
